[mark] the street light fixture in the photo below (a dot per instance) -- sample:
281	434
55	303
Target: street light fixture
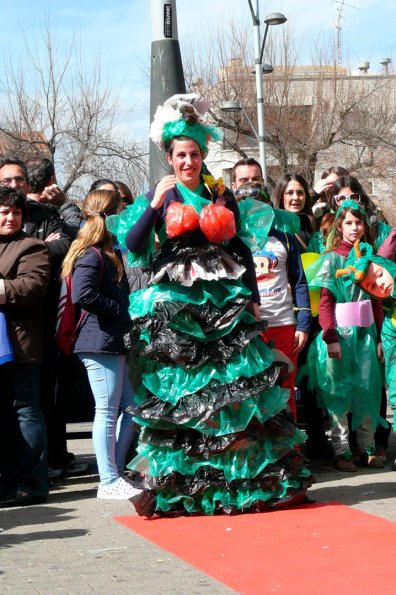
236	106
275	18
265	69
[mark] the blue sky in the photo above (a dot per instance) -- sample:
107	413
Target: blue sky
120	33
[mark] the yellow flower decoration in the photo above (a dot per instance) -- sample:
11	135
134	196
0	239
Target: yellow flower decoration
215	186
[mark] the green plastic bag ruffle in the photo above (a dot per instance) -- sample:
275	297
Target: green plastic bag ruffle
352	384
230	499
383	230
282	483
170	384
286	221
175	348
322	273
255	221
186	324
128	217
231	418
242	463
183	321
143	302
316	243
388	337
204	446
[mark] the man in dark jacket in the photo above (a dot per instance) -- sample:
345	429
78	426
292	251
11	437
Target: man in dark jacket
44	189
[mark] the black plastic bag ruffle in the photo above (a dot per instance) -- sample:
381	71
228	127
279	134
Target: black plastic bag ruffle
201	405
169	346
178	252
187	485
209	316
287	467
196	444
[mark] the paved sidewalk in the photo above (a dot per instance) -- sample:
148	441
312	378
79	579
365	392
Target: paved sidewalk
72	545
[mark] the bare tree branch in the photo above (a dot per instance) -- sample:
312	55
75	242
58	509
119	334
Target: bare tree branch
55	104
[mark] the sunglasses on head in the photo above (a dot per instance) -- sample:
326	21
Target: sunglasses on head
339	198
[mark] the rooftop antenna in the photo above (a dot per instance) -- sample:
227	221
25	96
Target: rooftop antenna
338	26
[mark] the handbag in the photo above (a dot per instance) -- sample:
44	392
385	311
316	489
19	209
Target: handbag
68	323
6	350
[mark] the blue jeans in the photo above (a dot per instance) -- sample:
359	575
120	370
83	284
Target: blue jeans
23	464
113	427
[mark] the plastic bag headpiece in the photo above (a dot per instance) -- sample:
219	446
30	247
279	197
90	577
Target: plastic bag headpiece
184	115
358	262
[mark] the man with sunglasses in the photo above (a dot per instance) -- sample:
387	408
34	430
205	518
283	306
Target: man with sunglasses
246	170
247	181
281	279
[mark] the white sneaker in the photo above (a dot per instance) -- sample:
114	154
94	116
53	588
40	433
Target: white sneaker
122	489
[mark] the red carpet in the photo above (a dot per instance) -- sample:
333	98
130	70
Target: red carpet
308	550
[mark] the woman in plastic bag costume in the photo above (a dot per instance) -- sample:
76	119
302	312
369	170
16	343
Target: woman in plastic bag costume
216	435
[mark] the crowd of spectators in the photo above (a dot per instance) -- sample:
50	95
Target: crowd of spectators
44	236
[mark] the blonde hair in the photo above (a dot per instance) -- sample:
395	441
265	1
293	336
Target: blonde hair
97	205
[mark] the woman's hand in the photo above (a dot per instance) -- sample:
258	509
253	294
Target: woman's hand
300	338
334	350
380	352
322	186
163	186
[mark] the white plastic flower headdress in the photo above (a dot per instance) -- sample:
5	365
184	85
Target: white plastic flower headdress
184	115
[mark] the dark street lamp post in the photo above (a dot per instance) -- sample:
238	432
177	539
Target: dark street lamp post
274	18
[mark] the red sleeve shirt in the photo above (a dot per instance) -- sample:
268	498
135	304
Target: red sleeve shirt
327	310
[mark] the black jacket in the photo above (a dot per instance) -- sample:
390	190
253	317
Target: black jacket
41	221
70	214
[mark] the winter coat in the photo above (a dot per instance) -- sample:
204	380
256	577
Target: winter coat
96	290
24	279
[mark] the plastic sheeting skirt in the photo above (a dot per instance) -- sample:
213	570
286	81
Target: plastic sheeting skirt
216	434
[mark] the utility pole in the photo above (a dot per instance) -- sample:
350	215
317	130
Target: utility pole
167	77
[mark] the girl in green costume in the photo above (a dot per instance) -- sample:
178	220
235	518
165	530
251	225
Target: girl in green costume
216	432
344	359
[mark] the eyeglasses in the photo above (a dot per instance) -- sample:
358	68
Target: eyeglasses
252	192
17	179
339	198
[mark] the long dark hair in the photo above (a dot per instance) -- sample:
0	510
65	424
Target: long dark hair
354	184
277	196
356	212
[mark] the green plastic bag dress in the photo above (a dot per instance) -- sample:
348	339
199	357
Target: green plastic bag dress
352	384
216	433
